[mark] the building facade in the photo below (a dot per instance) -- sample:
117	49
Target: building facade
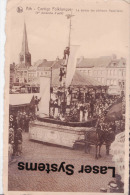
109	71
44	69
12	73
21	74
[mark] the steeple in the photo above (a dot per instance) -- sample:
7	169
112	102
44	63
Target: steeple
25	56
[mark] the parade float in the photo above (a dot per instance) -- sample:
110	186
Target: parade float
53	130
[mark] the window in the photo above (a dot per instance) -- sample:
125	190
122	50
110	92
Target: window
102	80
123	73
99	79
119	72
111	82
114	82
108	82
113	72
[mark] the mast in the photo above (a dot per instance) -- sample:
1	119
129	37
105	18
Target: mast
66	57
69	16
69	31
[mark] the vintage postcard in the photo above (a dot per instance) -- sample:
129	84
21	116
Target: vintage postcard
66	123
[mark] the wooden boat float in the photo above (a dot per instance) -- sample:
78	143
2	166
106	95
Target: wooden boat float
57	132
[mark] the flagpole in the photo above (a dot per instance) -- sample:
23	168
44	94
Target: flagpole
69	16
51	86
69	48
69	37
69	31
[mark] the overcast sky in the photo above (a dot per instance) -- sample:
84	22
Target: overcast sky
97	33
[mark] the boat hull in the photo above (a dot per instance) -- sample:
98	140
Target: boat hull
56	134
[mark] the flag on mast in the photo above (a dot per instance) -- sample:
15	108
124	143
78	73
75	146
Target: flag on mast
71	66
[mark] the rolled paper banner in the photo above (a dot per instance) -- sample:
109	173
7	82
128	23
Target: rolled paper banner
117	151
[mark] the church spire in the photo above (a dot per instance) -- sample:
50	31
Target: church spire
25	41
25	56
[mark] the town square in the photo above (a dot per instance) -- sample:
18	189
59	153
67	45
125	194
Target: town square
67	99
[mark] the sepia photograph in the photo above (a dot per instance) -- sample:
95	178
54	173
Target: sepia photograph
66	77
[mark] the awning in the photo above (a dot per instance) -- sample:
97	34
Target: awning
21	99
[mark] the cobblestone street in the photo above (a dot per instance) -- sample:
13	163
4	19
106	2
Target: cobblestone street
57	181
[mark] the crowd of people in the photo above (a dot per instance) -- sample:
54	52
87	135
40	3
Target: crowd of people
70	111
18	123
79	111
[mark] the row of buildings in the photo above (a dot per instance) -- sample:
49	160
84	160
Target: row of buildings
108	70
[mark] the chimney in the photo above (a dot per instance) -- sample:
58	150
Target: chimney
45	60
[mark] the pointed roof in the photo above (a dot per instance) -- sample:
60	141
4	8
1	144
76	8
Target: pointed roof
25	49
48	64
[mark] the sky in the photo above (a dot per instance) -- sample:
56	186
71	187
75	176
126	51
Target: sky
98	32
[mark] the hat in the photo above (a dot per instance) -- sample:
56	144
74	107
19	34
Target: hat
19	129
112	184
